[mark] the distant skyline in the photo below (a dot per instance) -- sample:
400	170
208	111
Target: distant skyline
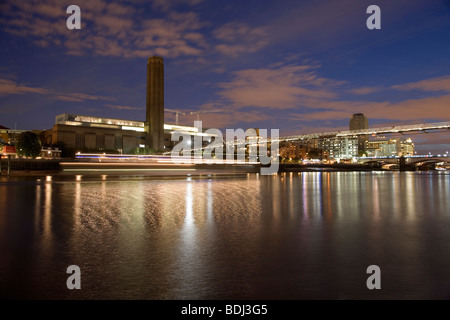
299	66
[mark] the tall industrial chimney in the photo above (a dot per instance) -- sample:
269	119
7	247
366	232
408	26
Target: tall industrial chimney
155	103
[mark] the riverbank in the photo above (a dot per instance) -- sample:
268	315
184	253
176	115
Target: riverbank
22	173
28	167
284	167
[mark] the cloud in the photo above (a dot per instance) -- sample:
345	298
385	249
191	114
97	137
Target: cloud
365	90
305	97
10	87
236	38
413	110
418	110
279	86
229	118
429	85
78	97
166	5
120	29
108	29
117	107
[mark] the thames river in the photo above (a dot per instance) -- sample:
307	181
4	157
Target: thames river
308	235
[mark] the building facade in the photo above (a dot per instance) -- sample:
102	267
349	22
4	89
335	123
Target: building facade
389	148
302	149
9	136
339	147
359	121
398	147
293	151
85	138
88	133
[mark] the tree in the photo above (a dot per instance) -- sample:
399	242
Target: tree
296	160
362	153
28	144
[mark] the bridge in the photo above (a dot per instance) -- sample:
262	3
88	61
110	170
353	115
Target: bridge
415	128
243	140
412	162
409	159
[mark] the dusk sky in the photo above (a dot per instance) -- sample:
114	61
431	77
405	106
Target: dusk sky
298	66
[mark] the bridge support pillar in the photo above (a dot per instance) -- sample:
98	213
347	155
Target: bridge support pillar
402	163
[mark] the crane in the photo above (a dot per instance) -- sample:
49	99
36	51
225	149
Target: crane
177	112
204	111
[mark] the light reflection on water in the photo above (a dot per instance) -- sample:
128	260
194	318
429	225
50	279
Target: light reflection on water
286	236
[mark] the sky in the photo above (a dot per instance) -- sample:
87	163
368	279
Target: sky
293	65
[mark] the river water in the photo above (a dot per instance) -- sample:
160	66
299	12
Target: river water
307	235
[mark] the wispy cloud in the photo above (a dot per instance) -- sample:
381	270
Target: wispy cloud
430	85
10	87
79	97
236	38
365	90
228	119
280	87
118	107
166	5
417	110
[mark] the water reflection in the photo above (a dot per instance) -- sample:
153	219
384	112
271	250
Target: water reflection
47	219
209	204
304	188
37	208
287	236
188	231
77	207
329	212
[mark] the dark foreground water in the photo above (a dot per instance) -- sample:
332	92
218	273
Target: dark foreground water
288	236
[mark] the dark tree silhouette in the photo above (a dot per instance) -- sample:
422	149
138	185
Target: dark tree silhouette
28	144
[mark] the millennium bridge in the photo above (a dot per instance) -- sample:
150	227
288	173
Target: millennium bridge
414	128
